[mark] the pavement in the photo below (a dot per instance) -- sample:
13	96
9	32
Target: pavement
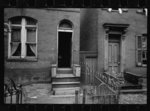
41	94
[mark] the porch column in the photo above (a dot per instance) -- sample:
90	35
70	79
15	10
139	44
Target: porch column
122	65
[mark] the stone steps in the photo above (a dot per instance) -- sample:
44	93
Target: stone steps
66	79
64	75
65	82
66	91
64	70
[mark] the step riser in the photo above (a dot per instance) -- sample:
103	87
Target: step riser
65	92
65	85
66	79
64	71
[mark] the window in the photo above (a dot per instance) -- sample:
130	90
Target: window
23	38
142	50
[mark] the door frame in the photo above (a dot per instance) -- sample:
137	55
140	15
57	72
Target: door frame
122	51
64	30
115	29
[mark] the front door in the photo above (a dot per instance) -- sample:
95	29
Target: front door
114	54
64	49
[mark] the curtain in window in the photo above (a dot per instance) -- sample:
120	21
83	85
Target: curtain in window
31	49
15	49
15	42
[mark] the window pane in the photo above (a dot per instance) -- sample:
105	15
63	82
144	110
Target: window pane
16	49
30	21
139	55
31	49
16	20
144	43
139	42
144	62
16	35
65	24
144	55
31	35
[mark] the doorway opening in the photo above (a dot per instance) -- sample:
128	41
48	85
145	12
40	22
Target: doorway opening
64	49
114	58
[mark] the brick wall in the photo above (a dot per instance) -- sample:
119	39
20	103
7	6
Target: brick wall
48	20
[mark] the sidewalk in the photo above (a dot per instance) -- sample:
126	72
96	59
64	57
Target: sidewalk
41	94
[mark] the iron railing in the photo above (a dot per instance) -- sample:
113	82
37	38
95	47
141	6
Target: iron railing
12	92
105	88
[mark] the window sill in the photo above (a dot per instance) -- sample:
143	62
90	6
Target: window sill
27	59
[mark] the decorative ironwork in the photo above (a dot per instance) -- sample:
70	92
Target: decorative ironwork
10	90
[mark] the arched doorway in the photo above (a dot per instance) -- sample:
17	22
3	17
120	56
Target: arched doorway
65	31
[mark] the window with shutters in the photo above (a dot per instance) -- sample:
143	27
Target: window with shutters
22	38
141	47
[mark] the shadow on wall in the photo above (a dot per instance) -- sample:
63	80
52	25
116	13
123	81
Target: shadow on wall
88	30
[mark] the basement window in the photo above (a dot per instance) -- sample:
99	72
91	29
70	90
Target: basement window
141	50
22	39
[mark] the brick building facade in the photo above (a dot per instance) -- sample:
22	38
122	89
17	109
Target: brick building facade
110	40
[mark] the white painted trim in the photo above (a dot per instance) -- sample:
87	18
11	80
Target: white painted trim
72	48
9	40
61	30
71	59
57	34
36	40
14	25
23	38
64	30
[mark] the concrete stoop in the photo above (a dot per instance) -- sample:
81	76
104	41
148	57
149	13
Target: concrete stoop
65	82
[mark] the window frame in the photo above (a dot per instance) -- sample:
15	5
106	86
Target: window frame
140	63
23	40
